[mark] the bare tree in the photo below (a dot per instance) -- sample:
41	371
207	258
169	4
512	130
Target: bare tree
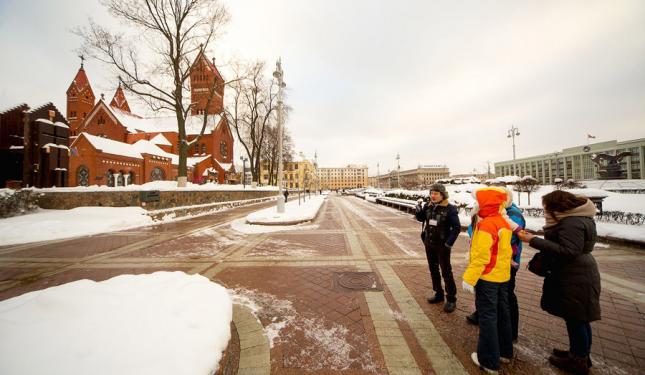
155	63
269	153
251	110
528	185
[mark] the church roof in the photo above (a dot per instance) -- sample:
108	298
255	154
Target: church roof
110	146
135	150
159	139
81	81
164	124
209	63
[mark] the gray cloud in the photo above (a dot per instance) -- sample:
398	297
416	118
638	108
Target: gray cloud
439	82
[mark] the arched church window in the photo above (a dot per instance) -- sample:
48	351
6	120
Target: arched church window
83	176
203	148
157	174
120	180
110	177
223	149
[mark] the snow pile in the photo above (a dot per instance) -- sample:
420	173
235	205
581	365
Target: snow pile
504	180
161	323
240	225
294	212
622	231
45	225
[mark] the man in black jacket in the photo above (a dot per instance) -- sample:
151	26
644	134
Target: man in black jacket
440	230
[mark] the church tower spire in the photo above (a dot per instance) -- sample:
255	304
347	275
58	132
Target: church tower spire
80	99
202	75
119	101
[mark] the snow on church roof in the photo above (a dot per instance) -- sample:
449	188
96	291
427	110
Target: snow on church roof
112	147
225	166
164	124
159	139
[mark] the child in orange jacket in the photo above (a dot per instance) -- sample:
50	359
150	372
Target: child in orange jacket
487	275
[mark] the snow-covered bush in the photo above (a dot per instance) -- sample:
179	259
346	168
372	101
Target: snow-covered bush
568	184
617	217
17	202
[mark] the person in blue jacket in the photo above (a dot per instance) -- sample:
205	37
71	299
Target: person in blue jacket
517	221
440	230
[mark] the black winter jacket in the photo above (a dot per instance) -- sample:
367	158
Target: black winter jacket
572	287
447	226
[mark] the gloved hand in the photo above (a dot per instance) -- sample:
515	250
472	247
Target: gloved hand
467	287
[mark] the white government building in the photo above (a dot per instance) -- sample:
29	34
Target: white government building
575	162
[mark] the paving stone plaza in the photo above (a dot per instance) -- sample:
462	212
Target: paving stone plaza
345	294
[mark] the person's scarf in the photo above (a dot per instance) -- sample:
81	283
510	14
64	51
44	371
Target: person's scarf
588	209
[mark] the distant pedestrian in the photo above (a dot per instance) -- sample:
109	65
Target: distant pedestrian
286	195
440	230
517	223
487	275
571	287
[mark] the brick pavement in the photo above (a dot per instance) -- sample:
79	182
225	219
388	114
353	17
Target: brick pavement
292	317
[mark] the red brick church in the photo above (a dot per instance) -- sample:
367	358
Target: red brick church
112	146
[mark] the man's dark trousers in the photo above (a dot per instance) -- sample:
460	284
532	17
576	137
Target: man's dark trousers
439	257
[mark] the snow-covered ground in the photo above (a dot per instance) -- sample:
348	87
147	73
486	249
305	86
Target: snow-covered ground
160	185
45	225
461	194
294	212
161	323
48	225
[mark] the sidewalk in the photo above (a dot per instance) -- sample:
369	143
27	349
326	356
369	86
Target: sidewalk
344	295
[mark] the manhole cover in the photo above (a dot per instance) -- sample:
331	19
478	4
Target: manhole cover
353	281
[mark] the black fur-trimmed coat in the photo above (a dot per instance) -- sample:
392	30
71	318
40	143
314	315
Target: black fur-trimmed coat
572	287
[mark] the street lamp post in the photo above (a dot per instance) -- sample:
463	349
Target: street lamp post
278	74
243	170
557	166
378	173
316	176
398	170
512	132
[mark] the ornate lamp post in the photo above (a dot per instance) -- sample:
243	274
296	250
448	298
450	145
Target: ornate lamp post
512	132
278	74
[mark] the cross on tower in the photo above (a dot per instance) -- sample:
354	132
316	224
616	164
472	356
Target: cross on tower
82	59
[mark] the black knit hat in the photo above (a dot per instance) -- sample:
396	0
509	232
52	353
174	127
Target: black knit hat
440	188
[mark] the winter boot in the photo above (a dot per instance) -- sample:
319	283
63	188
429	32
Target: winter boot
449	306
573	365
565	353
438	298
473	357
473	318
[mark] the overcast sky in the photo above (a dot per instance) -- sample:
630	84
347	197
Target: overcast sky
439	82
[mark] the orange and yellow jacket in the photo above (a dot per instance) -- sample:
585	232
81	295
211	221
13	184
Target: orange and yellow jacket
490	248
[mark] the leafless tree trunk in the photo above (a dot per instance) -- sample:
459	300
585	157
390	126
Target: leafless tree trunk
251	110
270	151
155	62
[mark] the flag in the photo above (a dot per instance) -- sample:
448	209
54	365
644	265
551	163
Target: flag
74	151
590	136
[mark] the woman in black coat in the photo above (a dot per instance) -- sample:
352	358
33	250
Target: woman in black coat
572	284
